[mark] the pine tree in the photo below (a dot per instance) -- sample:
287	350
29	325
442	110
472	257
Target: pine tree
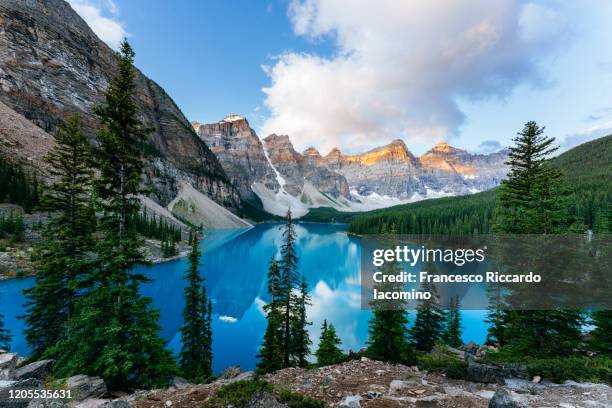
5	335
115	332
388	335
429	324
270	355
195	357
452	334
63	260
290	280
533	200
601	336
300	340
328	352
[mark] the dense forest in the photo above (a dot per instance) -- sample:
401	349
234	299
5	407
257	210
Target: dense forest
18	186
587	169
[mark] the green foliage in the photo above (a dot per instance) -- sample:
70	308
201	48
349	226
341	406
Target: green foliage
156	228
115	332
327	214
17	186
441	362
601	336
587	168
452	332
328	352
388	336
296	400
5	335
12	226
286	313
63	254
195	359
428	327
253	210
238	394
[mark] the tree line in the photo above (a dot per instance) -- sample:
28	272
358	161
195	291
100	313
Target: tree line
18	186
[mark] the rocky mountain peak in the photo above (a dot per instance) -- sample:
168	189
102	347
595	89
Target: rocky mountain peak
394	151
311	151
445	148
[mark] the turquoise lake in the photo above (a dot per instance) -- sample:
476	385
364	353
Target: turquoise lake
235	263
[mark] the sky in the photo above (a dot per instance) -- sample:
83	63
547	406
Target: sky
358	74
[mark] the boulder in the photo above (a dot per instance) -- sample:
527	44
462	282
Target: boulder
38	370
487	373
5	386
8	361
179	382
45	403
84	386
503	399
118	403
470	347
350	401
263	399
230	372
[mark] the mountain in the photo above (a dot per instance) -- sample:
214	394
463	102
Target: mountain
53	65
588	171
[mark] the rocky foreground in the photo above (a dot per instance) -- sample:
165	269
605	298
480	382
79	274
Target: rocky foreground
353	384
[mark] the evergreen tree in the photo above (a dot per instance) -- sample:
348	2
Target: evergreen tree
271	355
328	352
5	335
533	200
195	357
429	324
115	332
300	340
290	280
388	335
601	336
452	335
67	240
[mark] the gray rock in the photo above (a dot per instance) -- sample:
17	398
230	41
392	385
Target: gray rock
83	387
470	347
230	372
487	373
263	399
503	399
45	403
118	403
5	386
180	382
8	360
38	369
350	401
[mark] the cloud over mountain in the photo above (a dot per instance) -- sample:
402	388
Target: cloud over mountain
101	16
399	71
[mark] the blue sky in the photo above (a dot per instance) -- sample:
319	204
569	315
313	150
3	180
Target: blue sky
348	73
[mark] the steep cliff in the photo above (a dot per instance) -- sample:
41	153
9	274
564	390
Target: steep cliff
240	152
52	65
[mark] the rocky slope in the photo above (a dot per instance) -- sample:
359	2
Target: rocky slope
52	65
240	152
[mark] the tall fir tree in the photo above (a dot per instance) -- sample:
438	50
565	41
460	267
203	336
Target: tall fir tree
328	352
601	336
533	200
300	340
271	355
63	258
452	333
428	326
5	334
388	334
195	357
115	332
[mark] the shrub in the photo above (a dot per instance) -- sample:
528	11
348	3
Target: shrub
591	369
295	400
239	393
452	366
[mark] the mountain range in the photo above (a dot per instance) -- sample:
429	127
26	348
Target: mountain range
272	171
53	65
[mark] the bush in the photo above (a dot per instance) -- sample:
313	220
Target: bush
239	393
450	365
295	400
591	369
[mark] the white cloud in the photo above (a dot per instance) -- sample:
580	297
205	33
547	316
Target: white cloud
399	66
588	134
109	29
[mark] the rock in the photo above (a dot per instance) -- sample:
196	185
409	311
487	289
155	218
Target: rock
230	372
371	394
38	369
365	359
92	403
180	382
263	399
47	404
118	403
168	403
8	361
397	385
470	347
536	379
503	399
487	373
83	387
350	401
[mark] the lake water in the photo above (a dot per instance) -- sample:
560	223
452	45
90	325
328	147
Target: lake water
235	264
